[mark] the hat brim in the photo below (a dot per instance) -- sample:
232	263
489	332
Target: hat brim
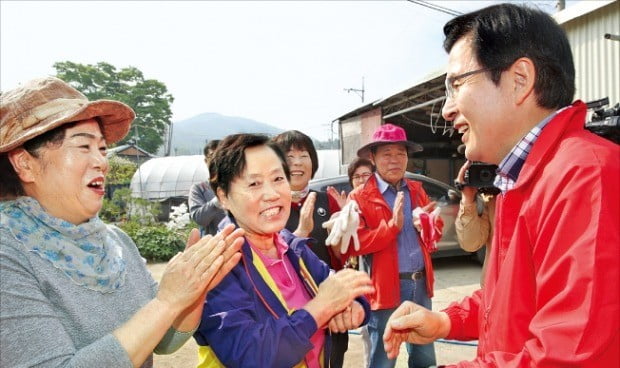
412	147
115	118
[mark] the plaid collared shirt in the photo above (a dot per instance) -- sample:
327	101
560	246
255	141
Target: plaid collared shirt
510	167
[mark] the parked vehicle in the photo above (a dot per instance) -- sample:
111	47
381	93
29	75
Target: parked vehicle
447	199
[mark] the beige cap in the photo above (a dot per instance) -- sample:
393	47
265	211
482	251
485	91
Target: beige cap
41	105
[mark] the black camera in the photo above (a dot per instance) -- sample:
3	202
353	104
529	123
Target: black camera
480	175
604	122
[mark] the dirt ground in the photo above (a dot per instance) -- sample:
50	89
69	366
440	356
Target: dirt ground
454	278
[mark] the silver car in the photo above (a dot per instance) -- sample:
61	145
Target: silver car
447	199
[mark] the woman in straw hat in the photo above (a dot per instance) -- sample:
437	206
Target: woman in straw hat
76	291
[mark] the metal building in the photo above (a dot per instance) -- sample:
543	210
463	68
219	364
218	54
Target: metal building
417	109
597	57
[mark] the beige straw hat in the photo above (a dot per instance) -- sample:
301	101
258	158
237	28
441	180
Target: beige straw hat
41	105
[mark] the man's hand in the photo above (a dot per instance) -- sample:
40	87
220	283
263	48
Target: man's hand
468	193
397	212
430	207
414	324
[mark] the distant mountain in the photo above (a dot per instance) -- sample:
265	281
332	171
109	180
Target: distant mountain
190	135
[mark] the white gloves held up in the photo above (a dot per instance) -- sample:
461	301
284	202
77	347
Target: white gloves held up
343	227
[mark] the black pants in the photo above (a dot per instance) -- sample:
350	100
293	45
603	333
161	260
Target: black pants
340	343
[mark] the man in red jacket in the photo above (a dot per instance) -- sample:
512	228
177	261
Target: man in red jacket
398	257
551	295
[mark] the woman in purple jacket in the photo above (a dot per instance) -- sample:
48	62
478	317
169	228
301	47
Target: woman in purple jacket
277	307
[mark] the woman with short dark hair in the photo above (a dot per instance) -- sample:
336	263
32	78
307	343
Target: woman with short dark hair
359	171
273	307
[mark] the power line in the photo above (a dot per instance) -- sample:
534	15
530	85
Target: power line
439	8
433	6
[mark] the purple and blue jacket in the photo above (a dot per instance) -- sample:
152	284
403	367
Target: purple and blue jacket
244	322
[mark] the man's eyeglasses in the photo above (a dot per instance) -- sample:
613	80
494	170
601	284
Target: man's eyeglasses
451	89
362	176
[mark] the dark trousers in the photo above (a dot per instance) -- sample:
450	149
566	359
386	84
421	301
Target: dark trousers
340	343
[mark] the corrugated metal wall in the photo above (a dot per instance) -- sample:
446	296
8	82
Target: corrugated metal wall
597	60
355	132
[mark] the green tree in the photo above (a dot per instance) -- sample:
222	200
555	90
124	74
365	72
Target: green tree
148	97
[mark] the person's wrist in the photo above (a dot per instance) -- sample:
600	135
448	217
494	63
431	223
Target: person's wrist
301	233
467	201
166	306
319	310
468	194
445	324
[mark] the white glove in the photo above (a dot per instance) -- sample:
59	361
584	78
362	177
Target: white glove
343	227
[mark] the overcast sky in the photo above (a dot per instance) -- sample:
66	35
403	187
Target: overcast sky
282	63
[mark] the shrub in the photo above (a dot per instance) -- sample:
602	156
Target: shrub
121	170
159	241
155	242
124	207
137	217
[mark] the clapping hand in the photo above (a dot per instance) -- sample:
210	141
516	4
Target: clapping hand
431	207
192	273
306	221
397	211
340	198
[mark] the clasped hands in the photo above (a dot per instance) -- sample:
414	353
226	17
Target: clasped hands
414	324
334	304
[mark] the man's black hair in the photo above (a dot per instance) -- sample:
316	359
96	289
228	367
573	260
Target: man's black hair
503	33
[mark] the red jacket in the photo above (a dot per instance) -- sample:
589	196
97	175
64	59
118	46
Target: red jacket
381	239
551	295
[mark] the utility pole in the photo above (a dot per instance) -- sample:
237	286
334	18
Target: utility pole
360	92
168	142
136	139
560	5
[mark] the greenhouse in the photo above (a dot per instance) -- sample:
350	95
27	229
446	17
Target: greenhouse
168	179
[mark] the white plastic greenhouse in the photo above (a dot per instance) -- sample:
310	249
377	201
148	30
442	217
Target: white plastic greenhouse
168	177
171	177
